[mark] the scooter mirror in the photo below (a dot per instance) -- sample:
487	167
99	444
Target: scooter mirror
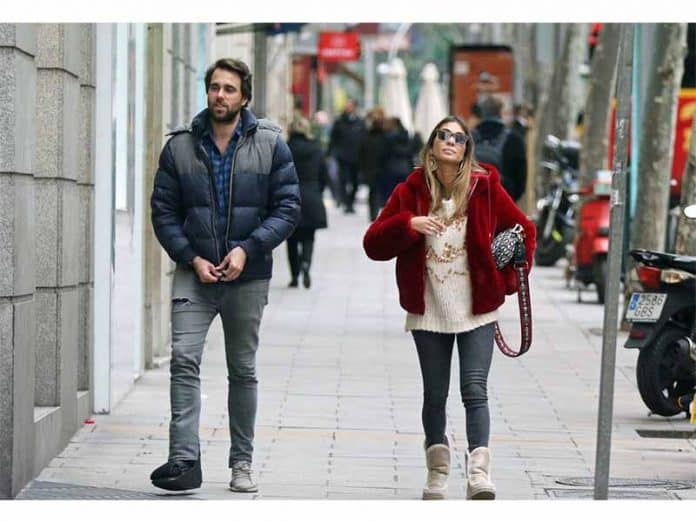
690	211
552	142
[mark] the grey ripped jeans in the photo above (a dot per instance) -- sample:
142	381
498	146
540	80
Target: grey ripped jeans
194	306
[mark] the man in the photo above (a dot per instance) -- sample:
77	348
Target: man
520	119
346	135
225	194
497	145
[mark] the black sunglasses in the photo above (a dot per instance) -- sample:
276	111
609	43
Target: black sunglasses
459	137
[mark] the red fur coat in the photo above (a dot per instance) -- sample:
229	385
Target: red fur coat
490	211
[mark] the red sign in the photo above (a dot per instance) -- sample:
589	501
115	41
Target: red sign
339	47
686	110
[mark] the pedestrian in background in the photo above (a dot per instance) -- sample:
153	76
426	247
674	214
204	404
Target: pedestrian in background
500	147
521	112
311	171
397	159
371	152
439	225
220	234
321	129
346	136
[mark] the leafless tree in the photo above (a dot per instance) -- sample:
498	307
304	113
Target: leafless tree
556	117
595	139
657	137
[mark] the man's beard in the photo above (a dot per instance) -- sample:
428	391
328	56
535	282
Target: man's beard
228	117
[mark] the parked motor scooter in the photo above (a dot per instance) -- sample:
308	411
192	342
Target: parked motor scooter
592	240
663	328
555	220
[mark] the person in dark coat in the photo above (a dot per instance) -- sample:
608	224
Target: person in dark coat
397	160
371	150
346	135
311	171
520	119
512	163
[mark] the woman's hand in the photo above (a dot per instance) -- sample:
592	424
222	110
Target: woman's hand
427	225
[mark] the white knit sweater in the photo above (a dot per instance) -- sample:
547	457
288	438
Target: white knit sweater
447	282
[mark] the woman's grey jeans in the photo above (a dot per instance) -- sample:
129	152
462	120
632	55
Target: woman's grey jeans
194	306
435	357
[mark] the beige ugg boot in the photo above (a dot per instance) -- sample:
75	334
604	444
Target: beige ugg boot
437	459
478	467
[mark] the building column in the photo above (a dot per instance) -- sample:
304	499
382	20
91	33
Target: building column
17	254
57	221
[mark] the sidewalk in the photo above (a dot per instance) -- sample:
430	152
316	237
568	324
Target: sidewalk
340	398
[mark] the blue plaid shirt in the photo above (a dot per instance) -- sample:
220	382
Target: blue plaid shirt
222	169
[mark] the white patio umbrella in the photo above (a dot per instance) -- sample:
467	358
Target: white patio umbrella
394	94
430	107
383	71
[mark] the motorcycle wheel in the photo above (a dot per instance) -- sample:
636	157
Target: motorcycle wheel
661	380
548	250
600	278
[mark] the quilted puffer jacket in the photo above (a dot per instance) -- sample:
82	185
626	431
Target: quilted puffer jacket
264	196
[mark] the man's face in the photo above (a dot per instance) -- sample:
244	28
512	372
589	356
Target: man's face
349	107
225	98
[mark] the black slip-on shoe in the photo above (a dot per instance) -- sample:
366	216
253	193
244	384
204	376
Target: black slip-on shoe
306	280
178	475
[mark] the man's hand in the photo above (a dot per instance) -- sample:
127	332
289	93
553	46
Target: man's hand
205	270
233	264
427	225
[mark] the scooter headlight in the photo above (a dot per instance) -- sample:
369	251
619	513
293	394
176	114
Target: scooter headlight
672	276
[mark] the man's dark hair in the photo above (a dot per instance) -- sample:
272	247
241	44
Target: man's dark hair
235	66
522	108
491	107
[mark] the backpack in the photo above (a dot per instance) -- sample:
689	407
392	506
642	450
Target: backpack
490	150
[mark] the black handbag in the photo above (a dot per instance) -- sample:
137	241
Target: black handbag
508	247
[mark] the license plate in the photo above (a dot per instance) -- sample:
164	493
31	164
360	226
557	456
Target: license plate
645	307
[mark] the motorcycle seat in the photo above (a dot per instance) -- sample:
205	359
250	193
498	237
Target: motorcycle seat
665	260
686	263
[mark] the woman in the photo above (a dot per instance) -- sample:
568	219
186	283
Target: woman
311	171
439	224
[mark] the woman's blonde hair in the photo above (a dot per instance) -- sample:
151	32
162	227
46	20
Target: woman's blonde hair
460	188
301	125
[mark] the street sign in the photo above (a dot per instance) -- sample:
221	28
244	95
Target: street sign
339	47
